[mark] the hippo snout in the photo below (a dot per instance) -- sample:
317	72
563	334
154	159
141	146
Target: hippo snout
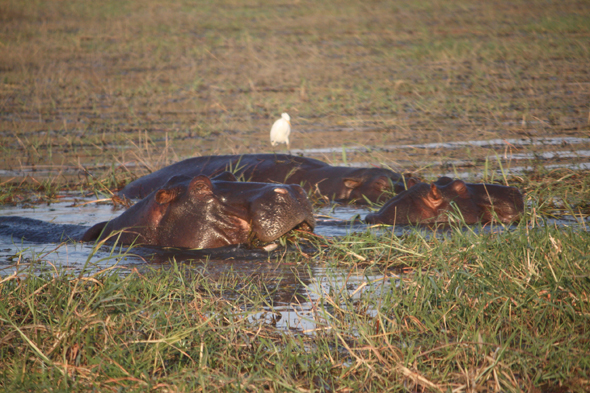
280	210
509	212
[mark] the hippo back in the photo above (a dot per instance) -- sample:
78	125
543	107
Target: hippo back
263	168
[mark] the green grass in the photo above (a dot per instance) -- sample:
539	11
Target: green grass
506	310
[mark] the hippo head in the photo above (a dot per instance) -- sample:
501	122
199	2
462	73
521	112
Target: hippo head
498	202
430	203
201	213
372	184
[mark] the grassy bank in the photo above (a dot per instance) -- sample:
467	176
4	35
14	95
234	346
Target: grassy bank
501	311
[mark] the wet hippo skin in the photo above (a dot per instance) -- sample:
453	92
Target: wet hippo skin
425	203
195	212
336	183
189	212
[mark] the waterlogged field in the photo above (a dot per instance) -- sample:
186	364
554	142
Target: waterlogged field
93	95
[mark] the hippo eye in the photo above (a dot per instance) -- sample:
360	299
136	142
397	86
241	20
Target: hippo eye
200	186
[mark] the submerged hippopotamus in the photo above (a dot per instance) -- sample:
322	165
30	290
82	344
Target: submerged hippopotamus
342	184
196	212
188	212
425	203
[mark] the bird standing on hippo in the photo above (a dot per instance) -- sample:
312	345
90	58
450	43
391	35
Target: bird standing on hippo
425	203
337	183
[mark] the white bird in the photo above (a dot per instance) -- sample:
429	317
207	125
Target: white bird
279	133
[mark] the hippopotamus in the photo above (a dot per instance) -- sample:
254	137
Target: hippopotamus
337	183
195	212
425	203
192	212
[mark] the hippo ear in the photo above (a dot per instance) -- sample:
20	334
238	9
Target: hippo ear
201	185
460	188
434	193
227	176
167	195
352	183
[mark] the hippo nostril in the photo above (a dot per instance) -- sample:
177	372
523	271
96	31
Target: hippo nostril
281	191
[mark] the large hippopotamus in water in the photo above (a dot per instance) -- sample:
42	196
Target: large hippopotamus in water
195	212
192	212
425	203
342	184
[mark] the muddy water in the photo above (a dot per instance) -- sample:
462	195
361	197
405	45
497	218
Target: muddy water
297	287
72	209
308	315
